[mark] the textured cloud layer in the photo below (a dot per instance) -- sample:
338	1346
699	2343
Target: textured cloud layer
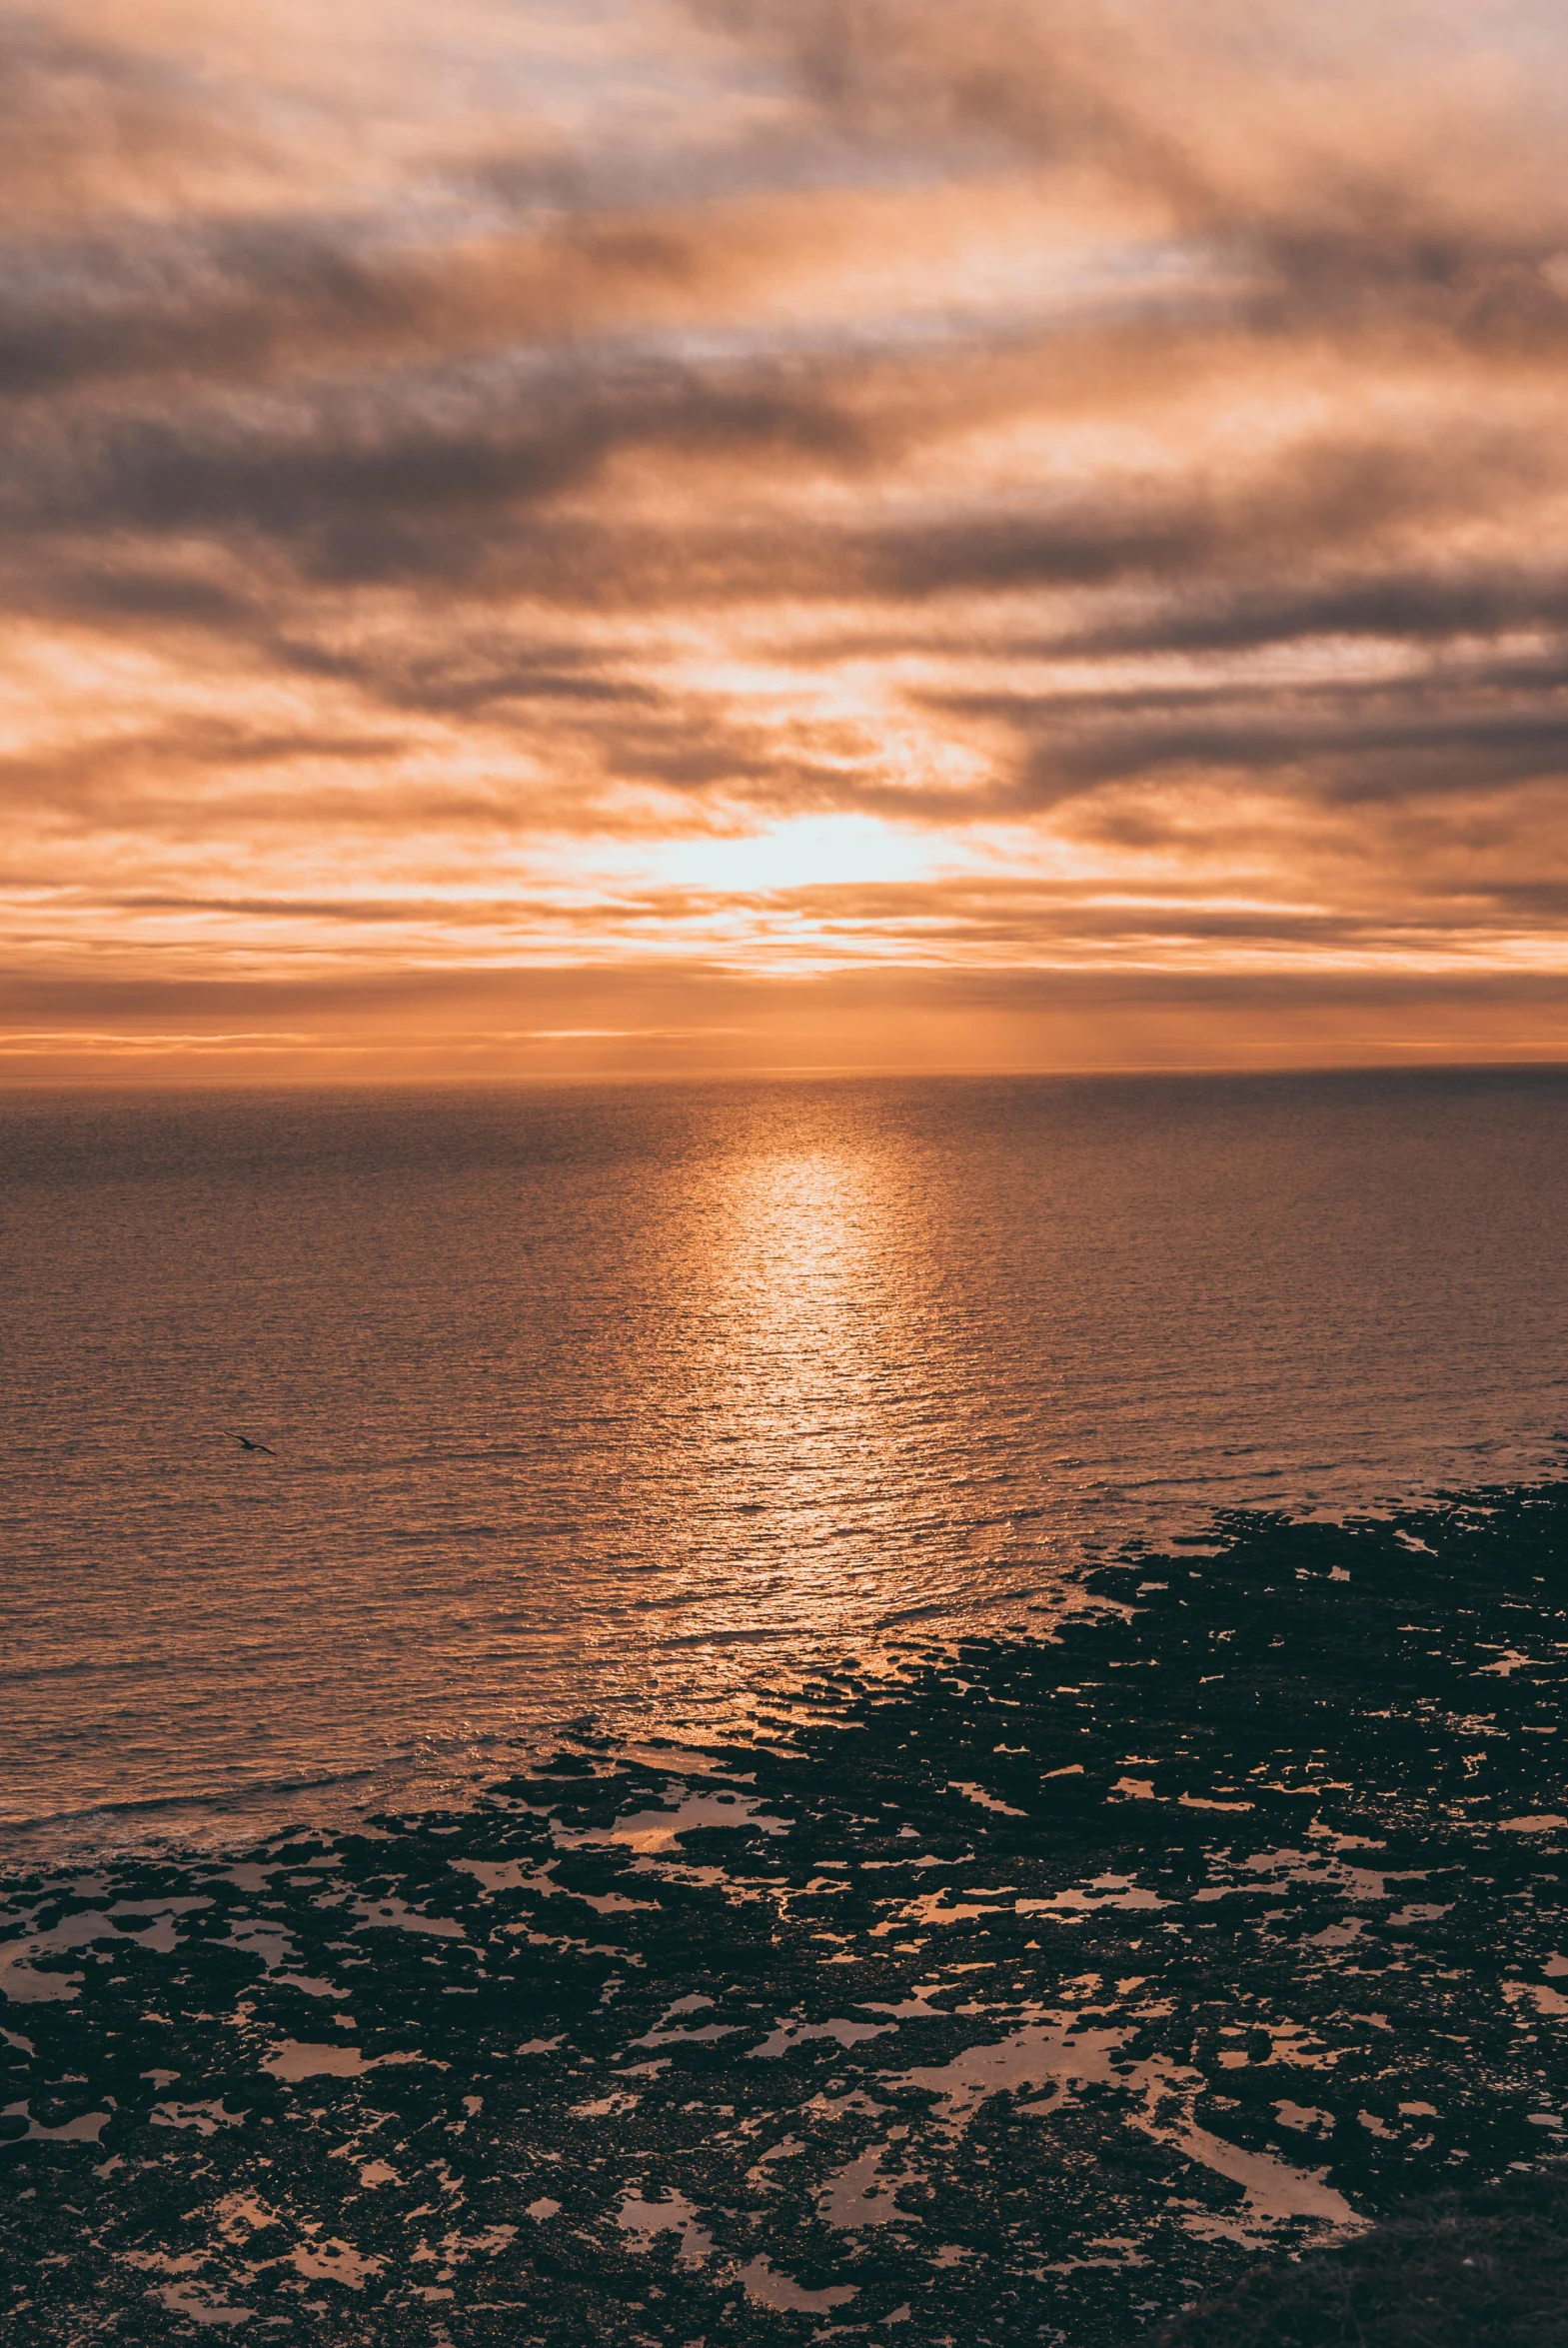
833	532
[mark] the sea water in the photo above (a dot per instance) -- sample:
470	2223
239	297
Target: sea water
933	1706
619	1401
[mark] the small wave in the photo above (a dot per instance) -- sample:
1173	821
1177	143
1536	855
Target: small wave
397	1774
729	1638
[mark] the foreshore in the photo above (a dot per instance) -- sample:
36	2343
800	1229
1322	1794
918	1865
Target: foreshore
1028	1994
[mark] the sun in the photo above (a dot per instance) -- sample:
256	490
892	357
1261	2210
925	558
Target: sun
805	851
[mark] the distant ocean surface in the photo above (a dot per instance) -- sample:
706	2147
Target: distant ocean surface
633	1402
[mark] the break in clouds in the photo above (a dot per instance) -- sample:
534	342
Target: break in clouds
548	527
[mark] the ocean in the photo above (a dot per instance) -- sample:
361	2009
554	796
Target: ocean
835	1705
602	1401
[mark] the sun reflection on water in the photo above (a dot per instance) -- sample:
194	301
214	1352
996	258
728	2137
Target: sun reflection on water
803	1317
834	1460
807	1319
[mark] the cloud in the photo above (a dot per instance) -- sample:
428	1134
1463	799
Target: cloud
1116	444
90	126
425	476
225	297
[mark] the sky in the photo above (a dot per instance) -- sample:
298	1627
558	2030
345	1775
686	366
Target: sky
628	537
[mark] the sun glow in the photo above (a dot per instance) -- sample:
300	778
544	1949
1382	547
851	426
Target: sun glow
806	851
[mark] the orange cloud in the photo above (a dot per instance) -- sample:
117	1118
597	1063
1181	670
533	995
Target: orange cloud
808	532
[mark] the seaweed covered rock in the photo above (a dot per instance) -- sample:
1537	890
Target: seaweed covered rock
1484	2271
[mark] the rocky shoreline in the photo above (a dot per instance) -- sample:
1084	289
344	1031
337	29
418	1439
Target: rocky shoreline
1028	1994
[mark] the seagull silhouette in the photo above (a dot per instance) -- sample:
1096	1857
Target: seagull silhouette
245	1442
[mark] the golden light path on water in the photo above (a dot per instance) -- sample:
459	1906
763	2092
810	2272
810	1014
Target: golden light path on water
809	1422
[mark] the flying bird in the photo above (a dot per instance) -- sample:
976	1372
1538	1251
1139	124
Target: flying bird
246	1444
